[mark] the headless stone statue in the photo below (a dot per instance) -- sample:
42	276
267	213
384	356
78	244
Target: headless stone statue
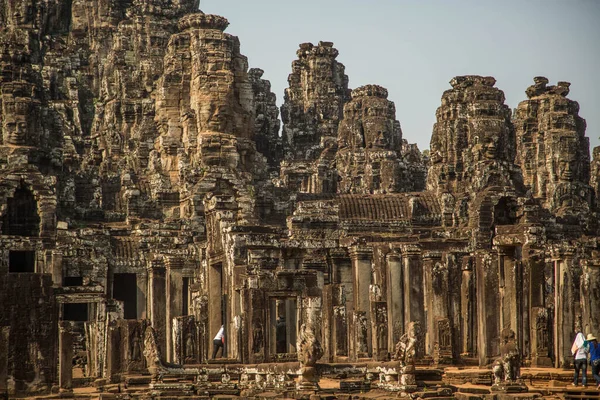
507	369
405	353
309	352
157	368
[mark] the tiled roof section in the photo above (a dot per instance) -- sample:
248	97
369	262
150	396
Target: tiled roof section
391	207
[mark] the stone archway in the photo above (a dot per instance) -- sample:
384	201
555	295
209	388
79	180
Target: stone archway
21	217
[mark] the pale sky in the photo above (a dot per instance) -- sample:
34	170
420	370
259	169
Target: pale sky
414	47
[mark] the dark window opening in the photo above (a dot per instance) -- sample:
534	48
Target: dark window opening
376	182
283	325
21	261
73	281
505	212
125	290
21	217
75	312
185	296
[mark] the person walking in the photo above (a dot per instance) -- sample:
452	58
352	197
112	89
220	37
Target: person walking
580	351
594	357
218	342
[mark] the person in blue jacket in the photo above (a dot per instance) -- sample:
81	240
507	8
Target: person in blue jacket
594	357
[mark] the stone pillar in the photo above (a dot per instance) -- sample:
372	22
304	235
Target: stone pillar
379	329
257	326
174	300
395	299
590	294
65	360
56	268
343	301
327	331
114	349
468	303
564	308
488	301
540	329
4	338
158	302
339	321
511	292
142	295
412	273
439	327
430	259
361	269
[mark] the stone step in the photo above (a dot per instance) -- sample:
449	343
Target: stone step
355	386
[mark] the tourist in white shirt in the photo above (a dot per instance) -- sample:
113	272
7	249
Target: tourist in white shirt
580	350
218	342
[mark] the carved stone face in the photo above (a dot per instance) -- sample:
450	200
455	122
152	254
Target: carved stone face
377	124
214	117
435	153
15	127
565	170
322	67
490	147
15	131
22	12
566	159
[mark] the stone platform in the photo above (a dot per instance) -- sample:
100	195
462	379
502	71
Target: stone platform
344	382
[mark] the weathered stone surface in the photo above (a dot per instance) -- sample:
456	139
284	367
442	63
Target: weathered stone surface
312	110
473	131
369	141
147	199
266	118
554	153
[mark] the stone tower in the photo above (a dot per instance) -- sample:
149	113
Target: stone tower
473	139
369	142
553	150
312	110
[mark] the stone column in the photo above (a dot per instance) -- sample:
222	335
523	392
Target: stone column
257	326
343	301
439	336
65	360
468	303
4	338
56	267
174	300
511	292
339	321
412	273
540	330
142	295
590	295
361	269
395	299
379	329
327	331
488	301
564	308
158	302
430	259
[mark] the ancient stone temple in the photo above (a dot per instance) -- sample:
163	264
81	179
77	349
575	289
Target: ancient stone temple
147	200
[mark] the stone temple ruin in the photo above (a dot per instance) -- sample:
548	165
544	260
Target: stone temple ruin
147	198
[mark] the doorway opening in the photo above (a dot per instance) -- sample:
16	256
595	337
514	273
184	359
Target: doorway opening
21	261
75	312
283	325
21	217
217	304
125	290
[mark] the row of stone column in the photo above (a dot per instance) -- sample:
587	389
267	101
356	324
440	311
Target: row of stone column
462	302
